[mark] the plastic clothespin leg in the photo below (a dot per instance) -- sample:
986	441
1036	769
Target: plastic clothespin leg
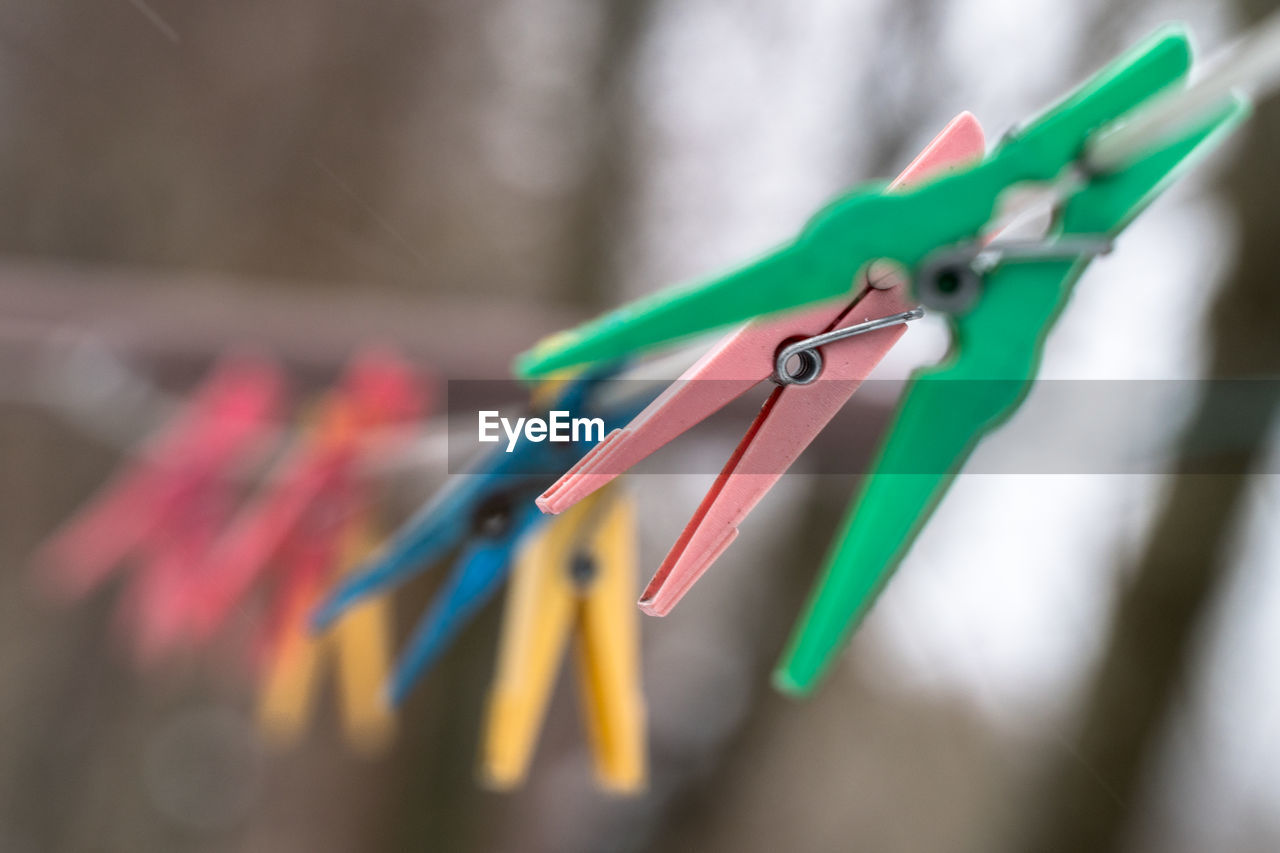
794	415
165	591
218	428
870	224
478	574
578	573
360	644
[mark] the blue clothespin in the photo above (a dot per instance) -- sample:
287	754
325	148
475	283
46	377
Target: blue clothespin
486	511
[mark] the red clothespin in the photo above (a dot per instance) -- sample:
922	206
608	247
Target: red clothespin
793	415
310	524
297	524
167	503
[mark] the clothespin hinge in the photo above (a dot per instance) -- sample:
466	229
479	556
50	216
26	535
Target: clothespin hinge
951	279
800	362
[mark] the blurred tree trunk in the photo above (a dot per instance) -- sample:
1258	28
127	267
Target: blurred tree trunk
597	216
441	808
1093	798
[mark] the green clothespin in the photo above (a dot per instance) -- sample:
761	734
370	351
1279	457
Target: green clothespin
997	345
869	224
1001	300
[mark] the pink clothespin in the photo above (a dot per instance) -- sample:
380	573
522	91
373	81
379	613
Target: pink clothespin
297	524
165	506
791	417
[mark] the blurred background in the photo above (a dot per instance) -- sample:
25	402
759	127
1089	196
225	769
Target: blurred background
1063	662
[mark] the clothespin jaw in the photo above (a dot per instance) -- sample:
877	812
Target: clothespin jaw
947	409
576	572
870	224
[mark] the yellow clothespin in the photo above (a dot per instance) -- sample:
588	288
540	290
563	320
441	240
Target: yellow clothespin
361	643
578	571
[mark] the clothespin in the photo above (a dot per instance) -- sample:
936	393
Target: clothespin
164	507
915	229
575	574
483	514
309	524
1000	315
791	417
1001	300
